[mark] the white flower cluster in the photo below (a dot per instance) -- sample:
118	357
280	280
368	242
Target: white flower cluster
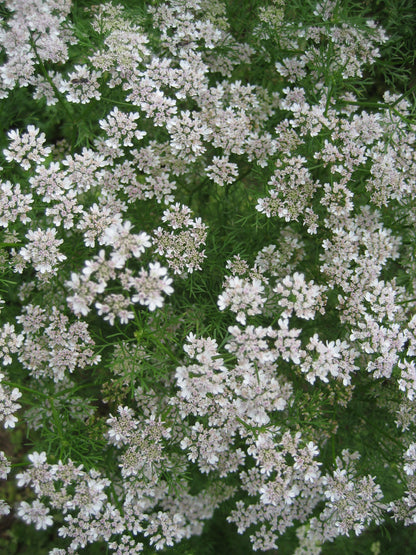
301	297
8	406
281	215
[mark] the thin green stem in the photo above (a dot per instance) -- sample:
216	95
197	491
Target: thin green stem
45	73
27	389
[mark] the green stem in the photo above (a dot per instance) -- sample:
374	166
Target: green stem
27	389
45	73
407	301
246	426
403	96
120	102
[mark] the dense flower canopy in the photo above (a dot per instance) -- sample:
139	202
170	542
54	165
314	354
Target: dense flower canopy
209	240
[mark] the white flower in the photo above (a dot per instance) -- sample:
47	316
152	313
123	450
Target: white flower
4	508
37	514
243	297
42	250
37	459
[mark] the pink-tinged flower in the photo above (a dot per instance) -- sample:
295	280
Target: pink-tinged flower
150	285
181	247
299	296
115	305
42	250
187	134
26	148
121	128
82	85
36	513
222	171
8	406
124	243
243	297
10	343
13	204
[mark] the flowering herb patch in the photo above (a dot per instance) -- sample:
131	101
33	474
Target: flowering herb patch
208	277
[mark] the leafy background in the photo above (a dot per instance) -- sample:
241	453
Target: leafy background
395	71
